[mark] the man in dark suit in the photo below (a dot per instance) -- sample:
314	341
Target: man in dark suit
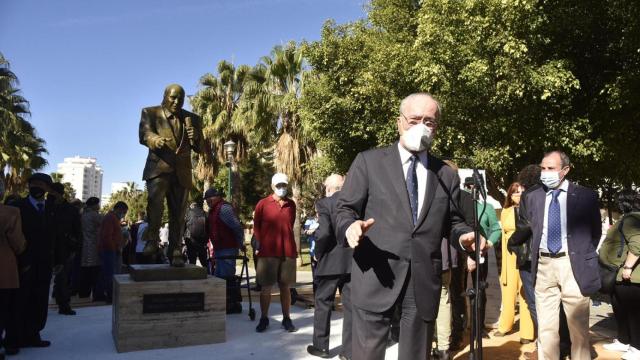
333	272
170	133
565	223
397	204
36	263
69	240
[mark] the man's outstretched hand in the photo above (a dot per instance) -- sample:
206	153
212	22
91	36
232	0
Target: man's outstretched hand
356	231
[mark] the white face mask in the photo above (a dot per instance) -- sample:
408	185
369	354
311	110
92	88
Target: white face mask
417	138
550	179
281	192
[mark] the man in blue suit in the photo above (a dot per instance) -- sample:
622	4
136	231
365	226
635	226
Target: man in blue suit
565	224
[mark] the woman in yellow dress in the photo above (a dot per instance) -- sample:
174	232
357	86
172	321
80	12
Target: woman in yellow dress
510	282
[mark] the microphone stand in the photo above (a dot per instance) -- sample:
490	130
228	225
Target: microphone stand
475	294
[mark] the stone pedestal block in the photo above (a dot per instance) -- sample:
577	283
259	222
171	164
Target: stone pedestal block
163	314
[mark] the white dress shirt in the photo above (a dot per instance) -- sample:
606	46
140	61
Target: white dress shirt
562	199
421	171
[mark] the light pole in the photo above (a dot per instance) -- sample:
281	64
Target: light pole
229	150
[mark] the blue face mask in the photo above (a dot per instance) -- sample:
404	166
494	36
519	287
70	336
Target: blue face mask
550	179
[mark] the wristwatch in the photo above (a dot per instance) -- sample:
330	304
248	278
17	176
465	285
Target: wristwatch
627	267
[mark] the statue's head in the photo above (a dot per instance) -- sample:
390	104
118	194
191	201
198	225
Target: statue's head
173	98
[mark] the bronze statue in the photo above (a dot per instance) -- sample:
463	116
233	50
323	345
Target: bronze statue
170	133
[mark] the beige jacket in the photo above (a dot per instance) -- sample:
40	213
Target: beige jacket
12	243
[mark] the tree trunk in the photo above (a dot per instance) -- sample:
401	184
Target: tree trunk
493	188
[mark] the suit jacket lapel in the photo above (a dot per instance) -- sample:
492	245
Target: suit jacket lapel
397	178
432	185
572	199
539	197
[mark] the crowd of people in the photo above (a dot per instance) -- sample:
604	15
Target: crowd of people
409	227
395	238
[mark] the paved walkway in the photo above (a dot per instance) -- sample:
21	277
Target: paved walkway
89	332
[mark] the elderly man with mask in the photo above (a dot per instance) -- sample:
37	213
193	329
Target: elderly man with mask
396	205
273	221
227	238
334	266
564	221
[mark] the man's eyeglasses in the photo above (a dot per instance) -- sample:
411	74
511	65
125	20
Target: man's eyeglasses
427	121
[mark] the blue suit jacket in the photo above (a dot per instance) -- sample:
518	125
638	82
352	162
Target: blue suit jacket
583	232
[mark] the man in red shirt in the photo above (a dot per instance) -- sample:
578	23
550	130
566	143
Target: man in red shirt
110	245
273	228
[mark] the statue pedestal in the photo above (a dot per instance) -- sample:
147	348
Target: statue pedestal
167	313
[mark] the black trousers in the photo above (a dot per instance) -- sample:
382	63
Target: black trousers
30	315
324	299
457	291
484	270
61	283
90	282
627	298
8	302
371	330
197	250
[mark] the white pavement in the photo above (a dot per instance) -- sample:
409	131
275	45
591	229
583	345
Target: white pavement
88	336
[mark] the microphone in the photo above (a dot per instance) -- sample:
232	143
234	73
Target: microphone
478	181
189	124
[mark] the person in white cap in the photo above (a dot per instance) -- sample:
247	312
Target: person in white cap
273	228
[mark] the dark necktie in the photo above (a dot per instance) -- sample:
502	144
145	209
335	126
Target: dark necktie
554	224
40	208
412	188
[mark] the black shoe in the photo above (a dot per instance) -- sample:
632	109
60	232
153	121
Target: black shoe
37	343
288	325
263	324
485	335
318	352
66	310
235	308
8	350
442	355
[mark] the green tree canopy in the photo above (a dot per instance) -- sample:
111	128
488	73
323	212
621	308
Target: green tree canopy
515	78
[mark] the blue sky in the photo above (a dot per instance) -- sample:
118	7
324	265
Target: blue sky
89	67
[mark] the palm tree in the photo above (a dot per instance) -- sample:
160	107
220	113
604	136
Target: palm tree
21	150
217	102
272	97
22	154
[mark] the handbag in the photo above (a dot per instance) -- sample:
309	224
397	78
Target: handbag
608	272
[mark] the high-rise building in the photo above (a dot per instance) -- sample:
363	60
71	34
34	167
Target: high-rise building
84	175
115	187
